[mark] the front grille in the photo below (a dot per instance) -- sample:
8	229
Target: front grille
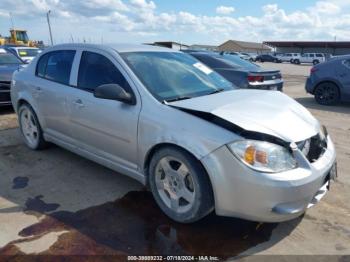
314	147
5	85
5	97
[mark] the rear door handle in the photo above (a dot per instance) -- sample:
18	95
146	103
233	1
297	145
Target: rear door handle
38	89
79	103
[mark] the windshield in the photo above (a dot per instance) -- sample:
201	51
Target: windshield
9	59
237	61
171	76
28	52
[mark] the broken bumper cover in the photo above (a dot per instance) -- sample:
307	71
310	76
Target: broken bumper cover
242	192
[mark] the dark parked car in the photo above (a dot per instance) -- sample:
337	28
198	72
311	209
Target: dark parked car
329	82
268	58
8	64
241	73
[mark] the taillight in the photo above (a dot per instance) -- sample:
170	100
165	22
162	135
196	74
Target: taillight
252	79
313	70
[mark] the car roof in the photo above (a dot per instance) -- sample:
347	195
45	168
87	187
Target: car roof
22	47
120	48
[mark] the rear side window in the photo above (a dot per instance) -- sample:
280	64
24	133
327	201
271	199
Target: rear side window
212	61
312	55
56	66
319	55
96	70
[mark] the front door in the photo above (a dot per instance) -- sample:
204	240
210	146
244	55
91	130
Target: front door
103	127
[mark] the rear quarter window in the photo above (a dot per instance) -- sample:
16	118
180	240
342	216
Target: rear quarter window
56	66
41	66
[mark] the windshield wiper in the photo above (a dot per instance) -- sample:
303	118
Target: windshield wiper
217	91
176	99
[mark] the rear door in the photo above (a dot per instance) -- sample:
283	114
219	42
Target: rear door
304	58
51	88
105	128
311	58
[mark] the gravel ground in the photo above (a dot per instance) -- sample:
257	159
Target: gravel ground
54	202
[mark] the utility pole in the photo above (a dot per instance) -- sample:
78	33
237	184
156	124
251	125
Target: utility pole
49	24
13	26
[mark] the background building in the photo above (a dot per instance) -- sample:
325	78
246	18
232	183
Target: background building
332	47
203	47
241	46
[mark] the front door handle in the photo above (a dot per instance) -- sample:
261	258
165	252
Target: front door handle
79	103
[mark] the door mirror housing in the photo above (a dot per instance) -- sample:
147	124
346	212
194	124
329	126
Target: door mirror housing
114	92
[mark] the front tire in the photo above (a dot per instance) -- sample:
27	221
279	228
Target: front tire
30	128
315	62
327	94
180	185
297	61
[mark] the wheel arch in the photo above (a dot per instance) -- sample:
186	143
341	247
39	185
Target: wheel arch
150	153
158	147
21	102
24	100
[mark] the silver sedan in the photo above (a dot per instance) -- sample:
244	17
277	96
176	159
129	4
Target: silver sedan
162	117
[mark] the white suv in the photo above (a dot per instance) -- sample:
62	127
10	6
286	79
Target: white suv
289	57
314	58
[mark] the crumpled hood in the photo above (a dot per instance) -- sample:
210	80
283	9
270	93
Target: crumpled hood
268	112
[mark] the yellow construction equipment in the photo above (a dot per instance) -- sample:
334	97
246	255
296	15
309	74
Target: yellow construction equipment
18	37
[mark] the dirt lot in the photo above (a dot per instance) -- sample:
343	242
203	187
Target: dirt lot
54	202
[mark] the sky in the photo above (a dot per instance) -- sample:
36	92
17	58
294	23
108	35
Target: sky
210	22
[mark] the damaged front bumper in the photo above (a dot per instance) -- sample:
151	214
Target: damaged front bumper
242	192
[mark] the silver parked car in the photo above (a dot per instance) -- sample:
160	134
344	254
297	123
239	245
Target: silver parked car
165	119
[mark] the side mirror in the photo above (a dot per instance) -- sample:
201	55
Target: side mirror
113	92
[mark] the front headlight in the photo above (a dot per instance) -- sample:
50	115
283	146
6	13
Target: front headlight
263	156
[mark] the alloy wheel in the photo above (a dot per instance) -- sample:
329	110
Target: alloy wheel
326	94
175	184
29	127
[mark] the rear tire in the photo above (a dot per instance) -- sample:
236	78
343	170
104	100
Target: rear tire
327	94
30	128
180	185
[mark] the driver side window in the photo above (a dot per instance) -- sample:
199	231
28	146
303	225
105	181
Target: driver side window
96	70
